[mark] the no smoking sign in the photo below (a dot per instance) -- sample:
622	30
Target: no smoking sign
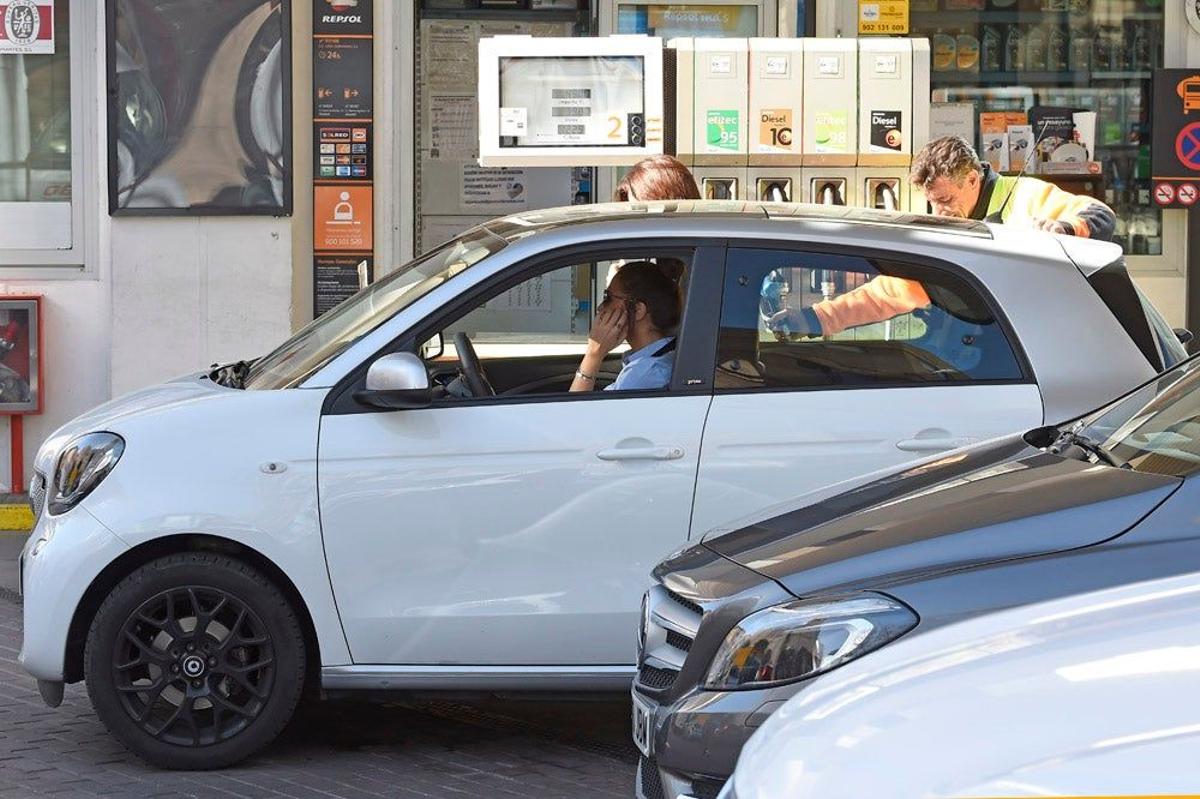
1187	194
1164	194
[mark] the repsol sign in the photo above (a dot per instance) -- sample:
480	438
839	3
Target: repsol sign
342	19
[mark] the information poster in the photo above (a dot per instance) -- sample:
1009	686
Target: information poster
342	74
336	277
494	187
343	150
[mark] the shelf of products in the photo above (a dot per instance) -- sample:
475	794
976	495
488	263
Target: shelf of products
1077	55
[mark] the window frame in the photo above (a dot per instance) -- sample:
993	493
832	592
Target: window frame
38	262
871	254
695	357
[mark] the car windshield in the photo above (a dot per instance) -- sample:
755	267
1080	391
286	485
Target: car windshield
1157	427
324	338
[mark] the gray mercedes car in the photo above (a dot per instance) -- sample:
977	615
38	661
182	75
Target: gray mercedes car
736	625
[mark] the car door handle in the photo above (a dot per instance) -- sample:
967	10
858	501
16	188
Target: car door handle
931	444
640	454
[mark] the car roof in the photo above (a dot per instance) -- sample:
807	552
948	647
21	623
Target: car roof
527	222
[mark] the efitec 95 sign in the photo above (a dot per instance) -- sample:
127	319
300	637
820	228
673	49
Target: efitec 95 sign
27	27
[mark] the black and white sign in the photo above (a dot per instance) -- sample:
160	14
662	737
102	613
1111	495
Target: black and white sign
887	130
337	278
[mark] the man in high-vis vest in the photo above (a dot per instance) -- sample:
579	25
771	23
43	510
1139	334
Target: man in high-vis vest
956	184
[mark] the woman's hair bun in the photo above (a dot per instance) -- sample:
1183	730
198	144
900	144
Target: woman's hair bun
671	268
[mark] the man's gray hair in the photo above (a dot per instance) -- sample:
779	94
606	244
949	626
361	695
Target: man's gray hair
948	157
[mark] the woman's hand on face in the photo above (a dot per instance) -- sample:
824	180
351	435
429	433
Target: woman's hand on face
608	331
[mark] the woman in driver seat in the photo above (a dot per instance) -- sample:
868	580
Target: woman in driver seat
642	306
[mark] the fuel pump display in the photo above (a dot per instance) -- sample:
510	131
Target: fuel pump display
830	121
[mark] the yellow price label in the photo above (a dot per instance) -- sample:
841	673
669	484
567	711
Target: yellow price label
882	16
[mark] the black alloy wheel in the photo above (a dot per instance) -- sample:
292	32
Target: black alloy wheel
195	661
193	666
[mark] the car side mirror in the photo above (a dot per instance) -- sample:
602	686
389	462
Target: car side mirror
434	348
397	381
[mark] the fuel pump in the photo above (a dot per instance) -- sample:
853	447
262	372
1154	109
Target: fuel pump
776	112
830	121
720	117
892	118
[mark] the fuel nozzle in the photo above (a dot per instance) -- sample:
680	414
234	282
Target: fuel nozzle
884	193
777	190
719	188
829	191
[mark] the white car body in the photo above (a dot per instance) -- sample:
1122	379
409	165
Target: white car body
507	544
1093	695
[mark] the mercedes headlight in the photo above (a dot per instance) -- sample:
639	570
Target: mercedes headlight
801	639
82	466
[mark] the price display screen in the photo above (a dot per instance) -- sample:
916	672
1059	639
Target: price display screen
572	101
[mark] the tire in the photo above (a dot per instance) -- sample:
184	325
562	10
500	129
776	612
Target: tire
195	661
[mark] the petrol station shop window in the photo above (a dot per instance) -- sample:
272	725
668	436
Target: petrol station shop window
35	106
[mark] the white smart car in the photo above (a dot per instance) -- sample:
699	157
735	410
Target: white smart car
1092	695
370	507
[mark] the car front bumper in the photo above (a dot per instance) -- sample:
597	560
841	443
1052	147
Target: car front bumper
697	739
62	557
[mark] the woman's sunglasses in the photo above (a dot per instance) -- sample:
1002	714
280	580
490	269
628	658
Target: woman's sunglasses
608	295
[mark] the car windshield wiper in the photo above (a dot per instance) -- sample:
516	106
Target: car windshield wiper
231	375
1073	437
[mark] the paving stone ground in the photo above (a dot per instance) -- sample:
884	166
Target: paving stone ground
334	749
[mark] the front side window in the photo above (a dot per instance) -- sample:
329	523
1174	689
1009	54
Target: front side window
794	319
534	337
327	336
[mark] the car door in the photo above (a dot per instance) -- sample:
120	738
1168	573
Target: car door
518	529
795	411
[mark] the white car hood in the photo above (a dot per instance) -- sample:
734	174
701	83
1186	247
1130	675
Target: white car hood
110	416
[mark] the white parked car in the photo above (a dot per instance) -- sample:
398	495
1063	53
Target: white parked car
369	507
1092	695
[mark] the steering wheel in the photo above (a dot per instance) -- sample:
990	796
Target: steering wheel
472	370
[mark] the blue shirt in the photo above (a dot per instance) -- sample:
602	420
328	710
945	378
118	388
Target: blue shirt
641	370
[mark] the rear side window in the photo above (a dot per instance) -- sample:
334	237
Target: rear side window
794	319
1117	291
1169	345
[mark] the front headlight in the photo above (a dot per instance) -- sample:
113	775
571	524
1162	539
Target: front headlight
84	463
804	638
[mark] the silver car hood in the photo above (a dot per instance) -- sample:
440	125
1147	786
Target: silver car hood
180	391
